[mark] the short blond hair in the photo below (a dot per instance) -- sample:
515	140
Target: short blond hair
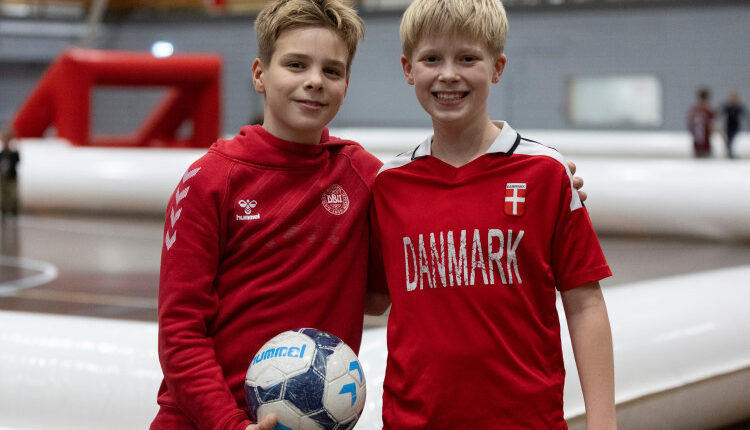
483	20
281	15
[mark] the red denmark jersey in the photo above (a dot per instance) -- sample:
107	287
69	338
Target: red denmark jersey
472	257
261	236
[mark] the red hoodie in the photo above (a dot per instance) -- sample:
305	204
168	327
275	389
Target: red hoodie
261	236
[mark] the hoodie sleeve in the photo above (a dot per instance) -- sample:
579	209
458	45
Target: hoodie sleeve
188	302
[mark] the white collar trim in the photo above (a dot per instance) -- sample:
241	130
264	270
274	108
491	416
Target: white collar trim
503	142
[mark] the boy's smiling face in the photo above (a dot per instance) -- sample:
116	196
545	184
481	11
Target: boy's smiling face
305	83
452	75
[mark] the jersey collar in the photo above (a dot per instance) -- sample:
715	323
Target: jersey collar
505	142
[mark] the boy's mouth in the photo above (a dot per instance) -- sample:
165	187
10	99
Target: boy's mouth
450	96
311	103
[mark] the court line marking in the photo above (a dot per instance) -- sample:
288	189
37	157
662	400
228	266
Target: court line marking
48	273
23	287
139	229
89	298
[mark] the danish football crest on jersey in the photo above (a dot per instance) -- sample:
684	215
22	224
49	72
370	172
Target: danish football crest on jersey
515	199
335	200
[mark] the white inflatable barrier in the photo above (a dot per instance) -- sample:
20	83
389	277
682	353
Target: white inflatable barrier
700	198
55	175
387	142
681	344
628	195
682	352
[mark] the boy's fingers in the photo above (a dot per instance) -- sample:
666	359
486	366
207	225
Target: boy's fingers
572	167
577	182
267	423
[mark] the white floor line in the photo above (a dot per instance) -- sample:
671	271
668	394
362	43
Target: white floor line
47	273
94	227
89	299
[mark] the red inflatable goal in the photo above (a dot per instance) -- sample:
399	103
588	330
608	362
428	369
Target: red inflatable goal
62	98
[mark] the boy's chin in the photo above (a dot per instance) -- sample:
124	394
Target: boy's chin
310	126
312	131
449	118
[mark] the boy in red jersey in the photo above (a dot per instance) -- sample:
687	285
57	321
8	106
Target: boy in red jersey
477	228
268	231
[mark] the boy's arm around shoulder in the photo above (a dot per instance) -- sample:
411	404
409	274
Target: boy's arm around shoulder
591	337
188	302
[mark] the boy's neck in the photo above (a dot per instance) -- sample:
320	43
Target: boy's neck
309	138
458	146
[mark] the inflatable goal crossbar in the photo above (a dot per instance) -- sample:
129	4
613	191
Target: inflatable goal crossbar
62	98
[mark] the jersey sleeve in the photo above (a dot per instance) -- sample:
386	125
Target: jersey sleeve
577	256
188	302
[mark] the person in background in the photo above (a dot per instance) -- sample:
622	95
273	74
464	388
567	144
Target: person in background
700	123
9	159
733	111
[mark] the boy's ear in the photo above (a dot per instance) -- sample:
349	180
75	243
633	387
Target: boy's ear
406	64
499	67
257	70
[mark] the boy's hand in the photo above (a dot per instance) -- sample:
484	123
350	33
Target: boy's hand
268	423
376	304
577	181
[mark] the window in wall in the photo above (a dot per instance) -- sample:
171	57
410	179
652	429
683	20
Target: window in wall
615	101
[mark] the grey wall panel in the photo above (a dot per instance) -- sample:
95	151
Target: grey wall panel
684	47
15	85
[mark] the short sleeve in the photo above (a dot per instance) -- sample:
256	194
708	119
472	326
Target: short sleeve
577	256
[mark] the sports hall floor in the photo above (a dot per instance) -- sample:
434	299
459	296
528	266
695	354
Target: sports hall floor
106	266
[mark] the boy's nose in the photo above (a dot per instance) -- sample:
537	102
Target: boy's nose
314	81
448	73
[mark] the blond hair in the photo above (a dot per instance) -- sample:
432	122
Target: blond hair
482	20
280	15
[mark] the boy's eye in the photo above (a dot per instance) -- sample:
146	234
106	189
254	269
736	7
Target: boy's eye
334	72
295	65
429	59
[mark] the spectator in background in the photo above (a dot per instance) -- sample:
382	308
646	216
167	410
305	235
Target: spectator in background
733	111
9	159
700	124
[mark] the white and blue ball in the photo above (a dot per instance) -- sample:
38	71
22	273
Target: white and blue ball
309	379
